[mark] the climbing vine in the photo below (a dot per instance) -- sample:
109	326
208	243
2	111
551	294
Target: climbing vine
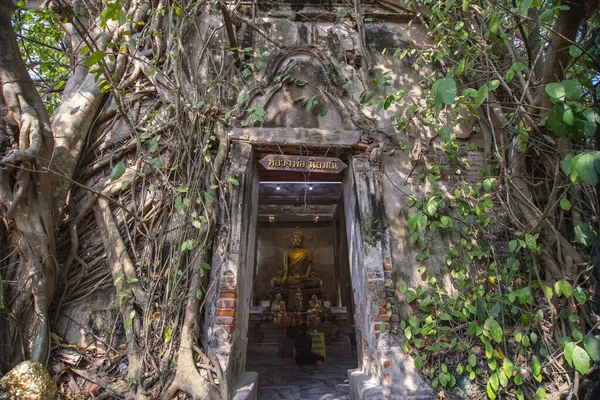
517	318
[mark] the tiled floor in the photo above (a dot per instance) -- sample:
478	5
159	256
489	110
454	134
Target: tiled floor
282	379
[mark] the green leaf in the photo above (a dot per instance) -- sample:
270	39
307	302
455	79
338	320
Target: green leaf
419	362
208	197
592	345
422	221
94	58
540	394
534	337
446	134
510	74
444	379
446	221
482	94
168	333
119	279
487	185
412	223
444	316
117	171
489	350
572	89
568	352
556	91
234	182
525	6
530	241
568	117
490	391
154	144
519	379
575	51
129	320
503	379
547	16
547	290
584	234
539	315
205	265
199	294
472	360
563	288
584	164
581	360
580	295
512	245
432	206
447	90
565	164
508	367
494	381
565	204
494	23
494	327
536	368
132	280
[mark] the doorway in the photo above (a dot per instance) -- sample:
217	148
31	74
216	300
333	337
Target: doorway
289	203
350	222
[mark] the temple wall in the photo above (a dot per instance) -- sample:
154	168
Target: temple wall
334	64
273	242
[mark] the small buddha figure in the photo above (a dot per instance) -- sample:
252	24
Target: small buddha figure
278	307
298	300
314	305
278	280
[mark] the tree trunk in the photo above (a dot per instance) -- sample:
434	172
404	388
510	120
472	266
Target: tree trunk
25	187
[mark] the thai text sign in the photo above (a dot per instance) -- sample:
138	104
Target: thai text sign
318	343
302	163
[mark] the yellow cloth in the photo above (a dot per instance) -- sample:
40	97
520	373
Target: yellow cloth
297	259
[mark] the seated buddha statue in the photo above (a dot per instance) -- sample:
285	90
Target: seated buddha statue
297	261
278	307
314	305
297	274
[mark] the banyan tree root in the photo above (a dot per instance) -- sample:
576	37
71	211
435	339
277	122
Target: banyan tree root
123	273
187	378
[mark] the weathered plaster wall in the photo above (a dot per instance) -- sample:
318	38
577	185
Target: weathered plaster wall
273	242
228	301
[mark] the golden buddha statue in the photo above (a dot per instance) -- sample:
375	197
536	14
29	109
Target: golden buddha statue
314	305
297	281
278	307
297	261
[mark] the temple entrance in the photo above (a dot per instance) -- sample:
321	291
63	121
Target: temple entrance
331	276
301	278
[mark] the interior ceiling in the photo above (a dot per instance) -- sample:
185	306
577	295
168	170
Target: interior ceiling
298	196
